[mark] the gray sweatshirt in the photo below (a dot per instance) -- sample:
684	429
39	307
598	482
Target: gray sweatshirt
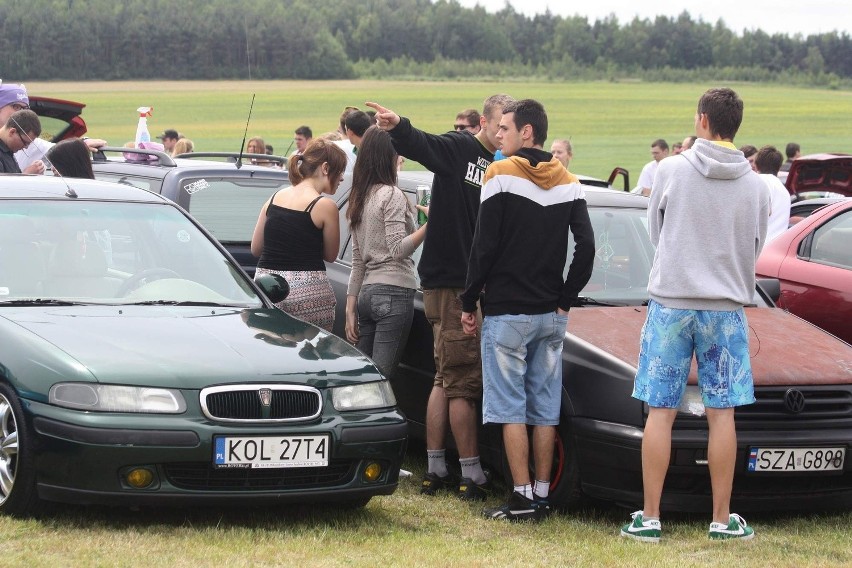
707	217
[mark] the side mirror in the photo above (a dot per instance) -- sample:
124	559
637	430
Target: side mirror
274	286
771	287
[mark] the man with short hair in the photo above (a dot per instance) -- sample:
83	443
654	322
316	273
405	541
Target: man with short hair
169	138
356	124
677	148
458	160
792	151
707	219
467	119
687	143
767	161
304	134
659	150
16	134
344	143
526	299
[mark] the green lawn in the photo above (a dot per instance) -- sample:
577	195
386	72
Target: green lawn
610	124
406	529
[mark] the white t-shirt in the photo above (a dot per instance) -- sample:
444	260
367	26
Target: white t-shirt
349	149
779	213
646	178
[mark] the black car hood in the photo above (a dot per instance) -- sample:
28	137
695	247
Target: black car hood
171	346
775	334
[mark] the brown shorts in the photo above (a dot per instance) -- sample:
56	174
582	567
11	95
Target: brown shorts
457	358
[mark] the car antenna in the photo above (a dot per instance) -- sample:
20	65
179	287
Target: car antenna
243	145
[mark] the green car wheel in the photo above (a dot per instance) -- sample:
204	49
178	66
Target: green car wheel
17	480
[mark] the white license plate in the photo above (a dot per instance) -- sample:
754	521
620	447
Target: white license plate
271	451
796	459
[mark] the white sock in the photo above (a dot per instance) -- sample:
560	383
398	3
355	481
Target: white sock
437	462
472	469
525	490
542	489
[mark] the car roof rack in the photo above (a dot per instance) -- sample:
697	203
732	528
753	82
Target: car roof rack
163	159
234	156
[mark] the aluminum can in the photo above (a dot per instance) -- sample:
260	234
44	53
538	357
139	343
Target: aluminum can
424	197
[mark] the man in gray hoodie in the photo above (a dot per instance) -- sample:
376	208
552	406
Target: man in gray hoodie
708	218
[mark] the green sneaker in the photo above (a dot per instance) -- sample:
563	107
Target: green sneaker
735	529
640	529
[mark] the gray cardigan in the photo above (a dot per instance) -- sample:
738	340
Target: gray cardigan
382	243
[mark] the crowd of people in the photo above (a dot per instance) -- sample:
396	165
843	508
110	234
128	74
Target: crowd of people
499	313
766	161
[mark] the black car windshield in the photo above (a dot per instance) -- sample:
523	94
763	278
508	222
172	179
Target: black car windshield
623	256
113	252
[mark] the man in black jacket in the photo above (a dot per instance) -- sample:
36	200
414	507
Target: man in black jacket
530	202
458	160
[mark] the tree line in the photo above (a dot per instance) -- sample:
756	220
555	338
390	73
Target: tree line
343	39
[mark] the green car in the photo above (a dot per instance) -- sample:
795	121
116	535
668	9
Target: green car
139	365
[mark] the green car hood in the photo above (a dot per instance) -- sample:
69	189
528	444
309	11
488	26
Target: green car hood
172	346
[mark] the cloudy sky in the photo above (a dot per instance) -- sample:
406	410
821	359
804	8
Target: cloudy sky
779	16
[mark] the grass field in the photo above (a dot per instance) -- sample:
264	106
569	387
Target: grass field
610	124
406	529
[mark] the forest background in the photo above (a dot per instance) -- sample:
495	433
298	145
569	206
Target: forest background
402	39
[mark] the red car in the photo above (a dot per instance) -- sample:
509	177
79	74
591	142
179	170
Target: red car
820	175
813	261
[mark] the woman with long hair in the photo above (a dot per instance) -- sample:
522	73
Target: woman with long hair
297	230
380	297
71	158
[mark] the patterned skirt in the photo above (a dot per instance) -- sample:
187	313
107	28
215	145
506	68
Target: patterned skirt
311	296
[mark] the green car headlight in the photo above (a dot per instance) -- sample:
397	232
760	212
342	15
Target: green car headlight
117	398
360	397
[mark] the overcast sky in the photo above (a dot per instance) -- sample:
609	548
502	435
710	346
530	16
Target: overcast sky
778	16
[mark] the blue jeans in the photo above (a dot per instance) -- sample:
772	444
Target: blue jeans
384	320
522	368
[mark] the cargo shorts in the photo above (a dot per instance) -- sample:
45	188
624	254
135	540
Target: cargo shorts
458	364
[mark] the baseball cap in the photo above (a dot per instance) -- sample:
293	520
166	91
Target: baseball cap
12	93
169	134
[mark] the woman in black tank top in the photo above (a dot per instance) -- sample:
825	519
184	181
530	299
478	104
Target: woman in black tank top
293	239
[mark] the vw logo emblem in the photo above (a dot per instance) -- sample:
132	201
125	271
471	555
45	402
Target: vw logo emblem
265	396
794	401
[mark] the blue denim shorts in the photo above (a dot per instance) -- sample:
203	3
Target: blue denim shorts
522	368
719	340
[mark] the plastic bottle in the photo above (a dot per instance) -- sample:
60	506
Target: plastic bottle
142	134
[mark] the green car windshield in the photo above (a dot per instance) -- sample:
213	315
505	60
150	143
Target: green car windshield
112	252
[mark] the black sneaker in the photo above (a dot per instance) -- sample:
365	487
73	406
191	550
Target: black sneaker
432	483
519	508
470	491
543	506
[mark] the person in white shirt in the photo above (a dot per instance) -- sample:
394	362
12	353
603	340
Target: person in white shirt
768	161
659	150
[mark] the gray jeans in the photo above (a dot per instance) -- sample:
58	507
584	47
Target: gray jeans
384	320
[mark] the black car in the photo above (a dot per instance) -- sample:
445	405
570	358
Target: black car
792	443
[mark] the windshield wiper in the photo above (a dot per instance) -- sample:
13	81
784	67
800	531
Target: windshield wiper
41	302
587	301
176	303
